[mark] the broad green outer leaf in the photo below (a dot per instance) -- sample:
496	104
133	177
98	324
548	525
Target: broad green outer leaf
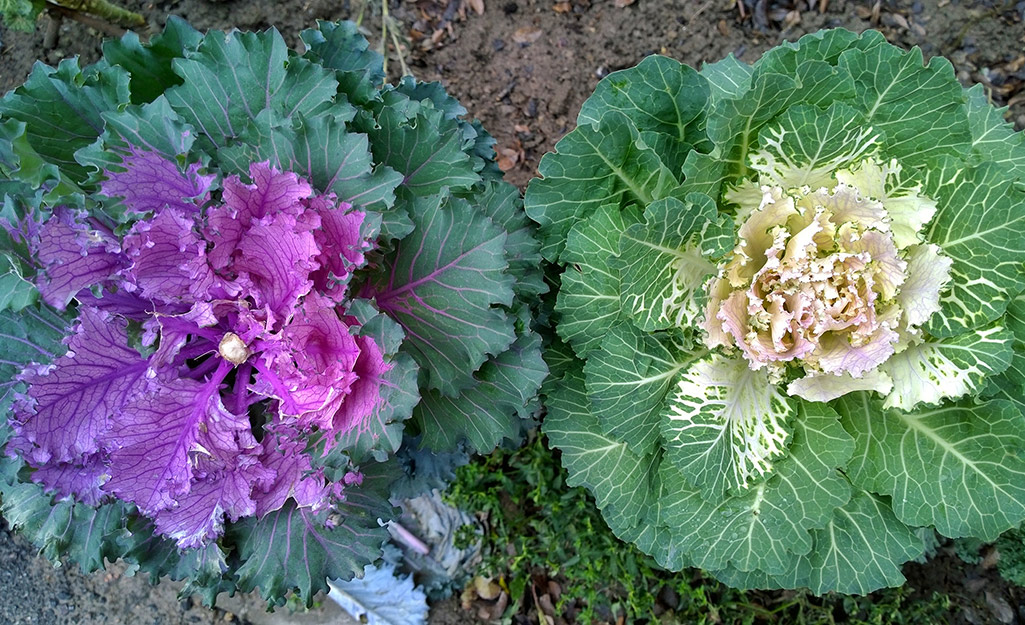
824	45
443	284
341	47
661	269
980	224
861	550
595	165
659	94
959	467
65	527
501	202
767	527
728	78
947	368
918	108
322	150
733	124
232	77
427	150
993	139
628	379
150	65
618	477
805	146
490	410
16	292
292	548
33	334
725	426
152	127
589	301
62	109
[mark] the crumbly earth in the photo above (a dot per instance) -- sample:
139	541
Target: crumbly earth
523	67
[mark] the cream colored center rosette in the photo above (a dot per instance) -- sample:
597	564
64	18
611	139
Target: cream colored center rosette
825	293
831	275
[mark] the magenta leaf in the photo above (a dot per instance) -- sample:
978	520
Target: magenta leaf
72	256
150	182
168	259
153	437
68	407
198	516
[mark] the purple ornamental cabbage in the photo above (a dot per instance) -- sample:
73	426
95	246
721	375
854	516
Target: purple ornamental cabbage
234	299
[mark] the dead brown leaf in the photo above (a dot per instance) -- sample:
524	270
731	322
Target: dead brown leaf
561	7
527	34
486	589
477	6
619	4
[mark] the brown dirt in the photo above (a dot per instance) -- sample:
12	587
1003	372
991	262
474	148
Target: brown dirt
523	67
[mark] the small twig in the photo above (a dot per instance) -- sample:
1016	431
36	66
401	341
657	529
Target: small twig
407	538
53	28
398	50
701	9
505	92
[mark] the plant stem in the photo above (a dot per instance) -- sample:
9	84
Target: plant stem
104	9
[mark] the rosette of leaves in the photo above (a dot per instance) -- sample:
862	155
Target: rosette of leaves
234	277
790	311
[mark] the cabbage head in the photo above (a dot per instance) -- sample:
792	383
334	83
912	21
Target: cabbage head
790	317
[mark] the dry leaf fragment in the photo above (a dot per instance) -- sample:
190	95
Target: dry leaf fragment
619	4
527	34
477	6
561	7
486	589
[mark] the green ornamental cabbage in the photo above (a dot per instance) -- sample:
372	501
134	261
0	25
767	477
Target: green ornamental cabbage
791	311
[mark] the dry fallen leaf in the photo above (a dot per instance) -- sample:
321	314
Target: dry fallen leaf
619	4
477	6
486	589
527	34
561	7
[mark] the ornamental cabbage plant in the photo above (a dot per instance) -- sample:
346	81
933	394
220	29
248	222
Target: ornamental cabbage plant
234	277
790	312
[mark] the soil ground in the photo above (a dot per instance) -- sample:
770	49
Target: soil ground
524	67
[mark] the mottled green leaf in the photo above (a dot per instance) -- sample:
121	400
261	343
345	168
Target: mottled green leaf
589	302
918	107
767	527
661	267
929	372
595	165
726	425
979	224
628	379
958	467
